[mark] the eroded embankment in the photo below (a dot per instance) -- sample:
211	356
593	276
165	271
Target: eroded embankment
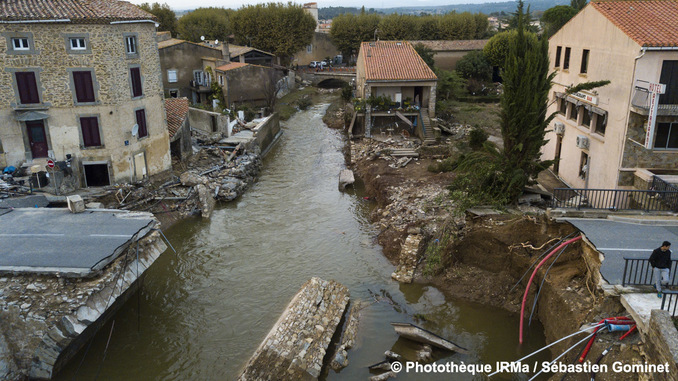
482	259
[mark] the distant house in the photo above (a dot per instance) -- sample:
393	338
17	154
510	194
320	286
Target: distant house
446	53
244	83
185	68
613	137
394	70
247	54
84	90
178	127
320	48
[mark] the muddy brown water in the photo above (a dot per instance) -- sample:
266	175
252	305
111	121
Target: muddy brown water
201	314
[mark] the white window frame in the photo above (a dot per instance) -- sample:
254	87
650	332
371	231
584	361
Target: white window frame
172	76
77	41
131	44
221	80
21	40
309	48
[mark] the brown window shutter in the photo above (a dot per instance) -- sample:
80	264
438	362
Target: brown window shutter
141	121
84	87
90	132
28	87
135	73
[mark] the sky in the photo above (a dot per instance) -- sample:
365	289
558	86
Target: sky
191	4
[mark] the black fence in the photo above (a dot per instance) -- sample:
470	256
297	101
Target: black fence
638	272
616	199
670	301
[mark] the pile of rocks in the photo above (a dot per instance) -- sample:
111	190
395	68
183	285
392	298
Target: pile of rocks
372	149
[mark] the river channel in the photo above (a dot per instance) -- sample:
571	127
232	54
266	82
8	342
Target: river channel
202	312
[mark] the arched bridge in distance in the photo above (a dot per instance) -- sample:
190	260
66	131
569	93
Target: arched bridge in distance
345	74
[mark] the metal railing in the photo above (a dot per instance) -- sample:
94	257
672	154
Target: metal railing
670	301
660	185
638	272
616	199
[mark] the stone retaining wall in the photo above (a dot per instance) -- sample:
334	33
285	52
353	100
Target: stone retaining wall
661	344
295	347
45	320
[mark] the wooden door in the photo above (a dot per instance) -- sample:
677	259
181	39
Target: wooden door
37	138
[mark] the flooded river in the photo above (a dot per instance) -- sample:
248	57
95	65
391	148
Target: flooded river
202	312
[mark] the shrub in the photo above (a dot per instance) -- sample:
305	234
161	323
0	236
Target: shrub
304	103
477	138
347	92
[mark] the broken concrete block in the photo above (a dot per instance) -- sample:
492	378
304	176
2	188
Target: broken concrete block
346	178
75	204
190	179
94	205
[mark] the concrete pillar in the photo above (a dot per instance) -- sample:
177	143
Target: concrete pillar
432	102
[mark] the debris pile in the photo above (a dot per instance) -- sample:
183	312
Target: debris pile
211	175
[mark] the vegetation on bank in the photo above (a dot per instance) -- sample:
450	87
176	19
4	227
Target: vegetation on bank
295	100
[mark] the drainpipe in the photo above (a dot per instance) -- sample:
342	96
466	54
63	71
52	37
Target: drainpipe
643	50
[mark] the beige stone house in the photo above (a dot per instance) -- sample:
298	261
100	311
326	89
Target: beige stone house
602	138
244	83
82	84
393	69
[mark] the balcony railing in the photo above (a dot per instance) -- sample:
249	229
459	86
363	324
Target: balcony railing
670	302
616	199
641	99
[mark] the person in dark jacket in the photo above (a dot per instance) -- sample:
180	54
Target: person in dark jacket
660	260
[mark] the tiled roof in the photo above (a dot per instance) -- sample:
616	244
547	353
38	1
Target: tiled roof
238	50
75	10
649	23
394	60
177	111
176	41
452	45
232	65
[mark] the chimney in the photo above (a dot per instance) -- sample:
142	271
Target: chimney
225	52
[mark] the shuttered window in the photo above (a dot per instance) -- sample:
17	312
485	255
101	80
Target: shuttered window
84	88
141	122
90	131
135	74
28	87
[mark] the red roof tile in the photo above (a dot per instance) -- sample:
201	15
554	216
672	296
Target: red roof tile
232	65
75	10
394	60
177	111
647	22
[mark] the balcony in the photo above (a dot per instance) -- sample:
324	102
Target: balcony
640	102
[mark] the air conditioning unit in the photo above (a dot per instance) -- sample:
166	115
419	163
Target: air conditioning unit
582	142
559	128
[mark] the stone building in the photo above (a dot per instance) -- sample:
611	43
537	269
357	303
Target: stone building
612	137
83	86
244	83
185	66
320	48
393	69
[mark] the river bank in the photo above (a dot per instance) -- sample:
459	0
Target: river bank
481	258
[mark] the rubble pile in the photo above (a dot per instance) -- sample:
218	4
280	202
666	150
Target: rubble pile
372	149
210	175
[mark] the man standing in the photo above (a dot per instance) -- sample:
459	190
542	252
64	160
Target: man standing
660	260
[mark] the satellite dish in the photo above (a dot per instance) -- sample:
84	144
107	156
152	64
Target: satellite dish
202	38
216	42
135	130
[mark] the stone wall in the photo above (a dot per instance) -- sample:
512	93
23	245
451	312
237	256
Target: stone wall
295	347
184	58
106	57
45	320
252	85
207	121
266	133
661	344
636	156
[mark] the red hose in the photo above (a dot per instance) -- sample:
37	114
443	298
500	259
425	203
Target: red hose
612	320
629	332
527	289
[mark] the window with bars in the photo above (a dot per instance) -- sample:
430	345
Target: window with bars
89	127
141	122
27	85
84	87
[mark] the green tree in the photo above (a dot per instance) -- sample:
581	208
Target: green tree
213	23
450	85
426	54
526	19
166	16
496	49
428	28
348	31
554	18
500	175
578	4
398	27
282	29
474	65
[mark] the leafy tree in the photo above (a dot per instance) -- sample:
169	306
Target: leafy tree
426	54
428	28
398	27
474	65
500	175
213	23
348	31
450	85
166	16
496	49
282	29
554	18
578	4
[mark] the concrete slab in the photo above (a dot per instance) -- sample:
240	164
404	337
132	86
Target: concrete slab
619	239
34	201
640	307
53	240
